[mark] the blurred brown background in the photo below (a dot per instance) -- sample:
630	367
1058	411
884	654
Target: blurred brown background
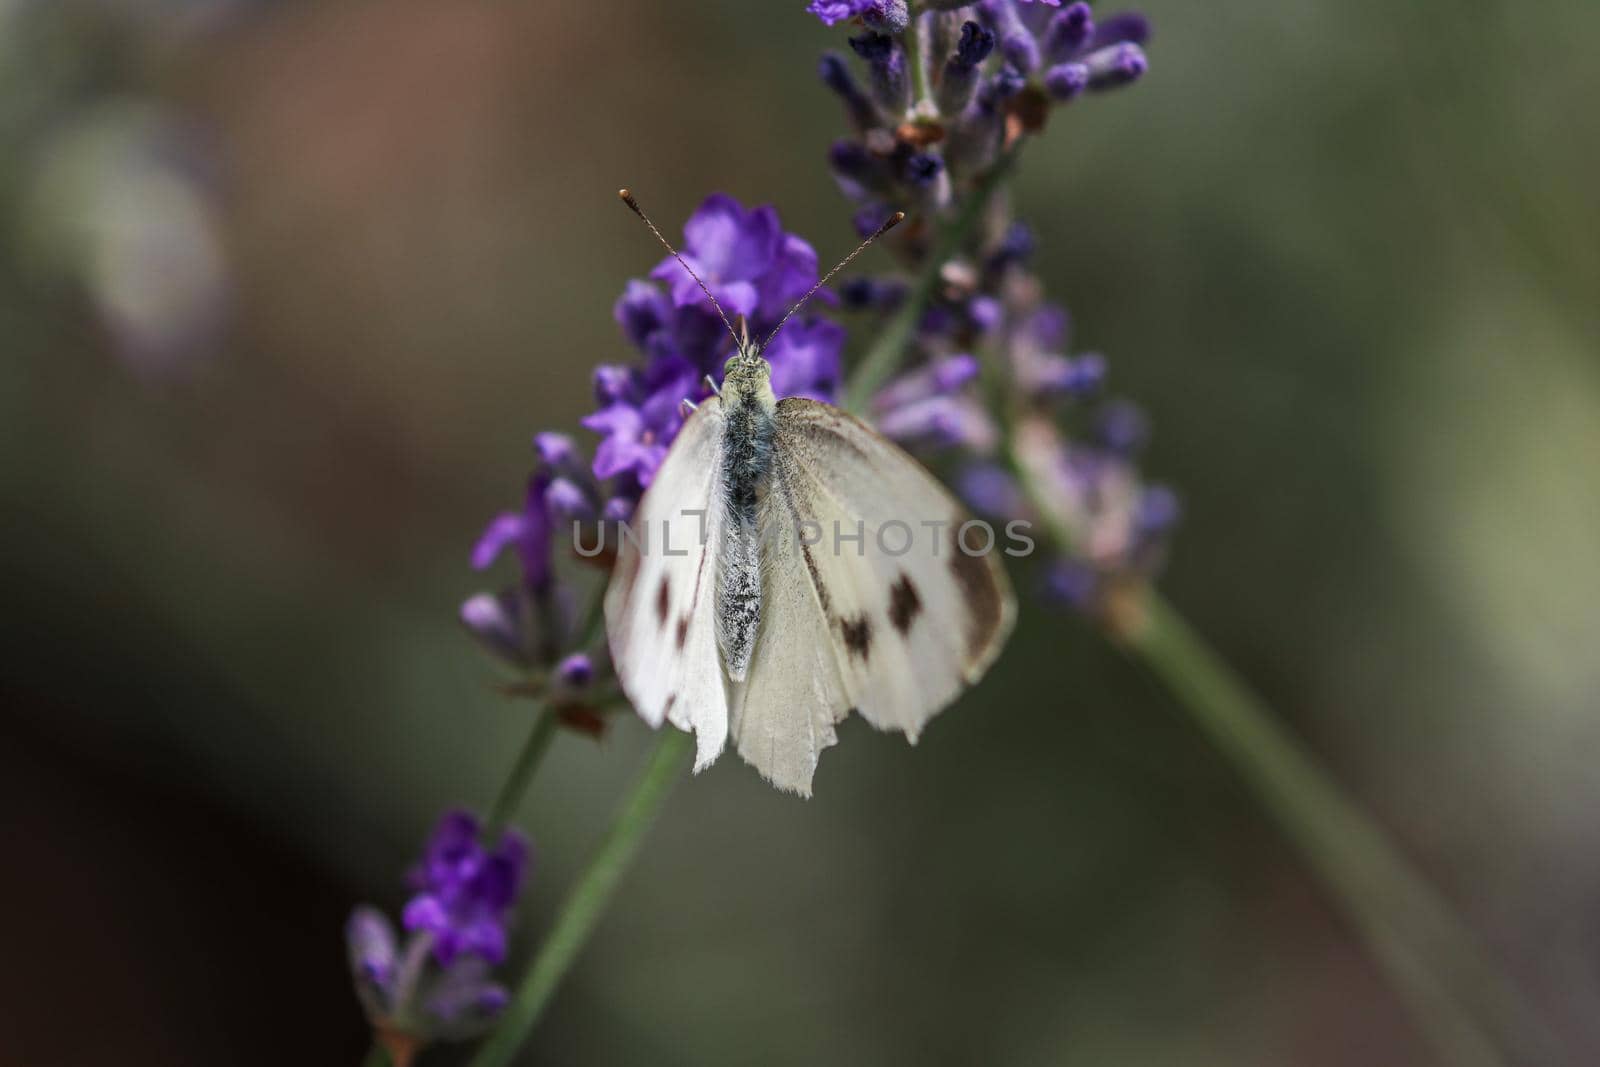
285	288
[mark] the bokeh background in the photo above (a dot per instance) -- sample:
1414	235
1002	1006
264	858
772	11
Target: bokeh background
285	288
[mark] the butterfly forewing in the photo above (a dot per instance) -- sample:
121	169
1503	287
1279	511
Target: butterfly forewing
659	612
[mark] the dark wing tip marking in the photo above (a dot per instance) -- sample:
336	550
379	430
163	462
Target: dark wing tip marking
904	604
979	590
682	636
663	600
857	635
672	698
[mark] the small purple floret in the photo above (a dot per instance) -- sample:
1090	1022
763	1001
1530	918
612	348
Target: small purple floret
464	891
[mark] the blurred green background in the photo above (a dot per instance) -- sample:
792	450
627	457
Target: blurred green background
285	289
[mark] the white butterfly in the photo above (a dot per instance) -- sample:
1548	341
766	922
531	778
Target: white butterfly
744	605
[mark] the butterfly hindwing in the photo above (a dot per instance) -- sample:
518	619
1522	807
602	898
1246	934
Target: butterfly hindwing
872	606
659	607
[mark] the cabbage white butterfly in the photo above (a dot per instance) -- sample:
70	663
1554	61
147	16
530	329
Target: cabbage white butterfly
789	565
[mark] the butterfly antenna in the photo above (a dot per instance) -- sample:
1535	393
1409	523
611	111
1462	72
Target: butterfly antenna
633	205
888	224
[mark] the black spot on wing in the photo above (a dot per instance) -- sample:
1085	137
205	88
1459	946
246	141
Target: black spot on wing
904	604
979	592
663	601
857	635
683	632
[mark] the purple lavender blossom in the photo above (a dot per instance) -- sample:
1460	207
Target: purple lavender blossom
437	984
755	269
464	890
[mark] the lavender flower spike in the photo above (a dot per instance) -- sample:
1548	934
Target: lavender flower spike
437	985
464	890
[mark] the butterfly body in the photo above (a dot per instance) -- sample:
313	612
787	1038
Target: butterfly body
749	409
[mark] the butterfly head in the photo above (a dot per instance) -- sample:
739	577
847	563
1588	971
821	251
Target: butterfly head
747	373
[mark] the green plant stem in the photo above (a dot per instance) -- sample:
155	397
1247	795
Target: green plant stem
587	899
540	734
920	61
1467	1008
883	358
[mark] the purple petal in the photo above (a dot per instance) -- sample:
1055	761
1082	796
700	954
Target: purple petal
805	359
617	421
504	529
793	272
730	243
426	913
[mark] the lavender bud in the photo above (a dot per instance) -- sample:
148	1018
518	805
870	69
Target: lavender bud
1006	83
1047	374
961	69
869	218
872	294
1122	428
494	621
618	509
858	171
836	76
1069	30
991	490
985	313
640	311
1015	247
940	377
1016	42
374	959
1087	375
1020	50
886	69
557	450
1157	512
1115	66
612	384
1073	583
1129	27
567	501
576	671
921	169
892	16
1066	80
943	421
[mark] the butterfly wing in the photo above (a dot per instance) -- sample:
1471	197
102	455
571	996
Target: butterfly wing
894	625
659	606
